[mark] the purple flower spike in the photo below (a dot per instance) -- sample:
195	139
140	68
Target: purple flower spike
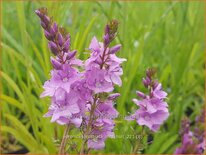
110	32
67	106
58	37
153	111
107	62
80	91
102	72
193	141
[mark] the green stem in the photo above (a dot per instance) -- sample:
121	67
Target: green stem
82	151
138	142
64	140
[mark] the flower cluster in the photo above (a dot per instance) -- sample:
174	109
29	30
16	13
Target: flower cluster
103	68
83	98
103	124
102	72
67	106
192	141
153	110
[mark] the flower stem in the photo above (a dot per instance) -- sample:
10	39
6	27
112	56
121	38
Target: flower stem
82	151
136	149
101	66
138	142
64	140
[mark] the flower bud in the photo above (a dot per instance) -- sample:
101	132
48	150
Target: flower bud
106	39
115	49
106	30
47	35
140	94
66	45
146	82
55	63
68	37
71	54
53	47
185	126
55	27
110	32
155	84
46	20
113	96
43	25
63	32
60	39
150	72
53	32
38	13
41	12
113	25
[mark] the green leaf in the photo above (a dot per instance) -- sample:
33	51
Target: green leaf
13	85
158	141
127	84
168	143
85	34
20	133
12	101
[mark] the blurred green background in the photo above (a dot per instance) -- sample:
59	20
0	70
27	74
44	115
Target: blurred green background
165	35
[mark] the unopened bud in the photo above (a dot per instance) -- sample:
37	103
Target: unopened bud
41	12
140	94
115	49
71	54
60	39
146	82
150	72
43	25
66	45
53	47
55	63
113	96
55	27
47	35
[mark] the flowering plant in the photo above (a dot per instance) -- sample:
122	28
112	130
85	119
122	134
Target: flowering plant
193	141
153	109
66	70
82	97
82	91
